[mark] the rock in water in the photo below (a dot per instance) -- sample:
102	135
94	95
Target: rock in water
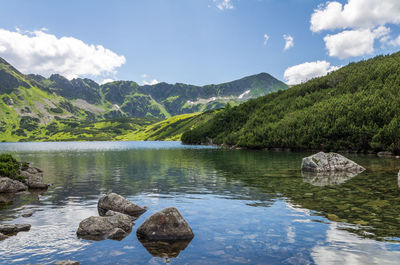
398	179
117	203
99	227
8	185
324	162
3	236
12	229
167	224
34	178
117	234
67	262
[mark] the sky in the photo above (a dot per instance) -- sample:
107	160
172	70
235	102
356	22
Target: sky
195	41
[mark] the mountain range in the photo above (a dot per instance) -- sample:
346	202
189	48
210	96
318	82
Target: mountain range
31	104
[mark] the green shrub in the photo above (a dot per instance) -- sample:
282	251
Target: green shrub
9	167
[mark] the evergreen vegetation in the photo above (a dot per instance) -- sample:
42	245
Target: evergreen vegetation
9	167
355	108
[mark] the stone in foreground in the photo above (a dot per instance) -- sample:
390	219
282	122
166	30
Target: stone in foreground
167	224
117	203
12	229
325	162
8	185
99	227
67	262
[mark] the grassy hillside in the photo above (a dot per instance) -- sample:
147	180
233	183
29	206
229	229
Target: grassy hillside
122	129
170	129
355	108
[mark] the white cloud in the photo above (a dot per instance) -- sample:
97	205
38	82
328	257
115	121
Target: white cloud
352	43
300	73
355	14
266	38
150	83
289	42
43	53
223	4
144	76
107	80
395	42
361	21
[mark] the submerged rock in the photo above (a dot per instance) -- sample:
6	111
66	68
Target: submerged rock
3	236
398	178
66	262
7	197
330	178
12	229
324	162
101	227
385	153
8	185
117	203
170	249
27	214
167	224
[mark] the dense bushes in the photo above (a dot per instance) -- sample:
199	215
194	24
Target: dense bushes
9	167
355	108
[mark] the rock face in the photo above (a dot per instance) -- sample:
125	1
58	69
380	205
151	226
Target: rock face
99	227
325	162
34	178
167	224
117	203
12	229
8	185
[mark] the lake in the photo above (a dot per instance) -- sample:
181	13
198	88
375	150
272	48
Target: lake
244	207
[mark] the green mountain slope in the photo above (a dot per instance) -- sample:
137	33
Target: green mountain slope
128	99
354	108
33	107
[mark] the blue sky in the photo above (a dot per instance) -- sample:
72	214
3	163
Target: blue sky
193	41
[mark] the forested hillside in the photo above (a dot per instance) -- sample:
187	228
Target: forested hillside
355	108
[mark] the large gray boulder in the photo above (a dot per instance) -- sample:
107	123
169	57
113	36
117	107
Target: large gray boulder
8	185
325	162
167	224
117	203
101	227
12	229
